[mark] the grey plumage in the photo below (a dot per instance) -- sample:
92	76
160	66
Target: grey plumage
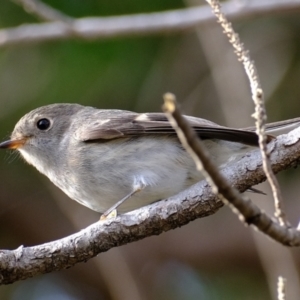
97	157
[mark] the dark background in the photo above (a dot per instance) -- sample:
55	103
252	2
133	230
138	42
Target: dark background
211	258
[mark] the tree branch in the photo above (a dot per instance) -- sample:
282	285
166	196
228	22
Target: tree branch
43	11
139	24
260	114
247	211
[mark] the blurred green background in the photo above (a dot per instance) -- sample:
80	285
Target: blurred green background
211	258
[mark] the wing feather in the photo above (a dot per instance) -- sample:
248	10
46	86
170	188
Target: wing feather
121	125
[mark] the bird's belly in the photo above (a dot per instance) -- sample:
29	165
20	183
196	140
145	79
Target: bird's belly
103	193
110	173
105	179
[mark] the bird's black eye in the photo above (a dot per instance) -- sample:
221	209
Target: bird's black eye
43	124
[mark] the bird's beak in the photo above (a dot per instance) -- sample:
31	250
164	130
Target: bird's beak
13	144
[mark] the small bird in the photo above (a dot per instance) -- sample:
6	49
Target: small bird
101	158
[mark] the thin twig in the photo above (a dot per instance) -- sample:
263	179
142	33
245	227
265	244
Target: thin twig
242	206
281	288
140	24
258	98
43	11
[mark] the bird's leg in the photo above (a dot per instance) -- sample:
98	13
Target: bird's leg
112	211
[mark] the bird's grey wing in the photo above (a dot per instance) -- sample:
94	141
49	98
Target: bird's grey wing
281	127
130	124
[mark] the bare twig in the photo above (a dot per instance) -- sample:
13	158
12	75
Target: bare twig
258	98
43	11
140	24
281	288
246	210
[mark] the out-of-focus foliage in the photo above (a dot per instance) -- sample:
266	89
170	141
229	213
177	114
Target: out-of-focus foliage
213	258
